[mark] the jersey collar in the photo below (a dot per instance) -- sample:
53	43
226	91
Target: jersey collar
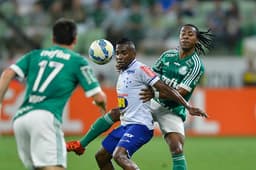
188	56
134	61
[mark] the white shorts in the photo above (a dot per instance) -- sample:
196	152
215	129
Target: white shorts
168	122
40	140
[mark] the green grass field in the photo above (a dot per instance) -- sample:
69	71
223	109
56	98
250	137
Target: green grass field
204	153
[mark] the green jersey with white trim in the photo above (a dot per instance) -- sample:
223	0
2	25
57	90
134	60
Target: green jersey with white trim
52	75
177	72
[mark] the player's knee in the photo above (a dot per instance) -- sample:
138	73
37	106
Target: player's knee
115	114
175	142
120	158
117	157
176	148
120	155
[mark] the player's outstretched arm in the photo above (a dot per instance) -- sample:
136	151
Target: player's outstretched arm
101	125
163	91
5	79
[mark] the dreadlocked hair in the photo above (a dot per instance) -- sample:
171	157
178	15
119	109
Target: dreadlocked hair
205	40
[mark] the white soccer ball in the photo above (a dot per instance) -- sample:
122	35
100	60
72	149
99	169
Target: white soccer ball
101	51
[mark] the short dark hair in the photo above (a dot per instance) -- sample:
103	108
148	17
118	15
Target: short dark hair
127	41
64	31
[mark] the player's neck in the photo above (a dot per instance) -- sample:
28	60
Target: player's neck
71	47
185	53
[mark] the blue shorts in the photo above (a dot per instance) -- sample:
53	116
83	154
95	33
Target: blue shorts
130	137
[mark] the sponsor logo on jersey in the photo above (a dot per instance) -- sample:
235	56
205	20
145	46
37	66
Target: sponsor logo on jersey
122	102
170	82
36	99
148	71
55	53
170	55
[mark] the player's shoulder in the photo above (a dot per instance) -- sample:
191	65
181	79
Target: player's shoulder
30	55
142	67
139	64
34	52
197	61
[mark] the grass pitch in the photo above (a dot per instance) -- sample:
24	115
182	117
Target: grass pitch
222	153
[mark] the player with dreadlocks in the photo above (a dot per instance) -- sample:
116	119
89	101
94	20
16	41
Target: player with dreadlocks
180	69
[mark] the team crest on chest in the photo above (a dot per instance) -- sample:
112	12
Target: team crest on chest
183	70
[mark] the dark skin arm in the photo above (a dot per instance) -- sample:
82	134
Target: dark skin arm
165	92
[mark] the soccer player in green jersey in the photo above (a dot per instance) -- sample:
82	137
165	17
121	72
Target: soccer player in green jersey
51	74
182	70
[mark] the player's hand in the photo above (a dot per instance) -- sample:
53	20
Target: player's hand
194	111
146	94
75	146
102	106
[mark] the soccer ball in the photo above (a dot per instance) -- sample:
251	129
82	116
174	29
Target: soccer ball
101	51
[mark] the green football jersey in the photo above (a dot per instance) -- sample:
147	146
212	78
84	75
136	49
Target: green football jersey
52	75
177	72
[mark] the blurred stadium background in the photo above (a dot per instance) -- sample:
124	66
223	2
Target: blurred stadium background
227	140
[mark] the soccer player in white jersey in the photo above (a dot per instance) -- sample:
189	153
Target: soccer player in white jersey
52	74
137	124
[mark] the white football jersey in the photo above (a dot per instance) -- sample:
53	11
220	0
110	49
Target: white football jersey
130	82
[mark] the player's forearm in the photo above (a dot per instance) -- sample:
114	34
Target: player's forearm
100	100
172	94
169	93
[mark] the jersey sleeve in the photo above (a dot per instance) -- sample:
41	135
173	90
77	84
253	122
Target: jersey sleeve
193	76
21	67
157	66
148	76
87	79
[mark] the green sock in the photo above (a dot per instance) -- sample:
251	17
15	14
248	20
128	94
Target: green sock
179	162
98	127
